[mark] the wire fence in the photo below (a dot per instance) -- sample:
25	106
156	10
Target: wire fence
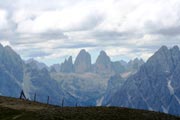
50	100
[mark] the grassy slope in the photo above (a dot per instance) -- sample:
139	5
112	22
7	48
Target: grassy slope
15	109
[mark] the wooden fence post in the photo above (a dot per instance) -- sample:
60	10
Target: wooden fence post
35	97
48	100
76	104
22	95
62	102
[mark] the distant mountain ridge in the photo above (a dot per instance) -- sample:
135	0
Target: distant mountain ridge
81	81
102	66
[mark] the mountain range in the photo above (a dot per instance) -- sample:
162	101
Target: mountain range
151	85
81	81
102	66
154	87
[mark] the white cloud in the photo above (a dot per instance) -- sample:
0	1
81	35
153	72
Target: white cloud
121	27
21	15
117	51
71	18
3	19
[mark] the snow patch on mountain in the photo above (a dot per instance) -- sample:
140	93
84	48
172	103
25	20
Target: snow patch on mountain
149	107
129	99
171	89
99	101
177	99
164	109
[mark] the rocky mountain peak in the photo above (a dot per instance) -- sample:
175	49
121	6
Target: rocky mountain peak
11	71
67	66
82	62
162	51
134	65
36	64
55	68
175	48
103	53
103	58
165	58
158	77
103	63
163	48
69	59
83	51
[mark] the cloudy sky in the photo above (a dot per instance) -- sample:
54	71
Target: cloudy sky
51	30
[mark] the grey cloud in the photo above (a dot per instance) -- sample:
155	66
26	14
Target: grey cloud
171	31
92	21
52	35
19	38
83	45
115	38
110	35
37	53
76	45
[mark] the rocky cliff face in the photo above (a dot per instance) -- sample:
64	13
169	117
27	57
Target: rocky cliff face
134	65
103	64
36	64
40	82
155	86
82	62
67	66
114	83
11	72
118	67
55	68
